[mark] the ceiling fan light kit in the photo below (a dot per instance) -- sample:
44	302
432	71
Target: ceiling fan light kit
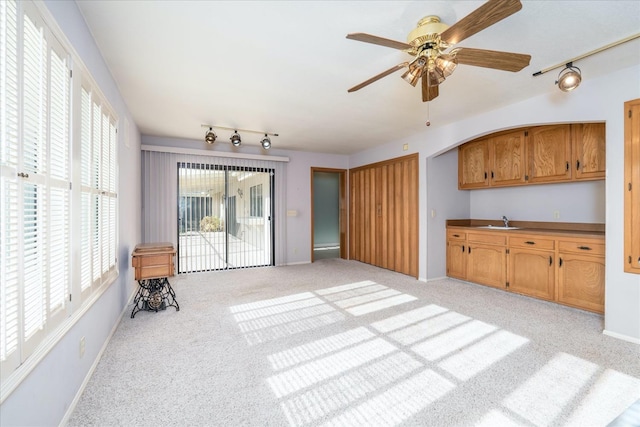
210	136
431	38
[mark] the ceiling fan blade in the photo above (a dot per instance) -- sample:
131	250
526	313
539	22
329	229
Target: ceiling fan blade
484	16
368	38
428	92
378	76
506	61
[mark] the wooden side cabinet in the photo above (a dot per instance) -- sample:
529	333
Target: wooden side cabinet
581	273
531	266
632	186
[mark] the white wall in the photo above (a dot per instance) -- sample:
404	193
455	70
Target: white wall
598	99
444	201
45	395
575	202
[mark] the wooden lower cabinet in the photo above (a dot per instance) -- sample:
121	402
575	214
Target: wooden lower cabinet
581	281
457	254
566	270
581	273
486	265
532	272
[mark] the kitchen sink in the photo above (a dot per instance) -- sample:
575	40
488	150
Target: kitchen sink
499	227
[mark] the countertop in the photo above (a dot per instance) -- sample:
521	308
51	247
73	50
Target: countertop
587	230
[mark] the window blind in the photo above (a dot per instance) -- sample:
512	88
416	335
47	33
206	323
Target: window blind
40	194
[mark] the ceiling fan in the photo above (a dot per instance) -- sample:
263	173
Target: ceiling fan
431	38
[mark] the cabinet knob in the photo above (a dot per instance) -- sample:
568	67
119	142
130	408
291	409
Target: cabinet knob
550	260
567	166
577	165
560	263
529	242
584	248
462	248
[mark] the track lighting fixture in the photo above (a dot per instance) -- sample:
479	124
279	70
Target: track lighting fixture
235	139
210	136
569	78
266	142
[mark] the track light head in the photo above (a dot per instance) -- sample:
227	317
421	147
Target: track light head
210	136
569	78
266	142
235	139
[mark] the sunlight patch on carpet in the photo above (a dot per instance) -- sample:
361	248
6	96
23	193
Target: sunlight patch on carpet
362	299
342	391
478	357
612	393
428	328
543	396
371	307
270	302
303	376
314	349
292	328
408	318
398	403
453	340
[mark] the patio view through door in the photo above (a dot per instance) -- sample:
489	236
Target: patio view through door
224	217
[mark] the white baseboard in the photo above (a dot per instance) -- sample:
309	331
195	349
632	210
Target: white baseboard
621	336
87	378
298	263
437	278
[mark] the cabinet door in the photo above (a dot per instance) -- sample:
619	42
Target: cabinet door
632	187
457	259
507	159
589	150
549	153
486	265
473	164
581	281
532	273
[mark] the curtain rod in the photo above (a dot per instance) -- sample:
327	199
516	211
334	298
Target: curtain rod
577	58
176	150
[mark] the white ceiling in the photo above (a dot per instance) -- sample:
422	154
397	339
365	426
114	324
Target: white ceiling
285	66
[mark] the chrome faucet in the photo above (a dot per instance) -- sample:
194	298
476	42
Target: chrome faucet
506	221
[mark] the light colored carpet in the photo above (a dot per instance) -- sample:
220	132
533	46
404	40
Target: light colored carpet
343	343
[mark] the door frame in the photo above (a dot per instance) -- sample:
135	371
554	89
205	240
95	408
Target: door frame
342	208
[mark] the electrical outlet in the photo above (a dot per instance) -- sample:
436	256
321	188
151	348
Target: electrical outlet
405	147
82	344
556	214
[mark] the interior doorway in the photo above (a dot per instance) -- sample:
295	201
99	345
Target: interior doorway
328	213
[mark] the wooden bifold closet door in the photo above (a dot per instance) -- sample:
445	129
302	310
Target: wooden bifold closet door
383	214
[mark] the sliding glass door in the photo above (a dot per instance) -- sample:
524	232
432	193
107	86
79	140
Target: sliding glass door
224	217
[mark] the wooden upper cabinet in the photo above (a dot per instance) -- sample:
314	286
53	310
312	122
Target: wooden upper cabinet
589	148
507	159
632	186
549	153
473	164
